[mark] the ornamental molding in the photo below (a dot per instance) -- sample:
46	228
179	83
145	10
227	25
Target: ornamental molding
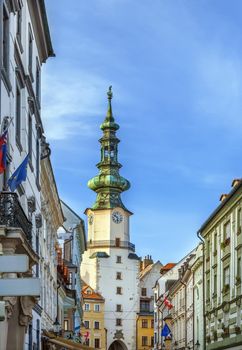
118	334
31	204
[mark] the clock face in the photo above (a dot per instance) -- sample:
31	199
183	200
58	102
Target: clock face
90	219
117	217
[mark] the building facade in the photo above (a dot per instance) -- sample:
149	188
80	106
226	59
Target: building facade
25	45
149	274
74	248
110	265
198	323
93	330
222	236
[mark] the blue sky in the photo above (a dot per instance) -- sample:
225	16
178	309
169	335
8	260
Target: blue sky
176	71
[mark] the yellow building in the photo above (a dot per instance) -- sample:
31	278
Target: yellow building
93	331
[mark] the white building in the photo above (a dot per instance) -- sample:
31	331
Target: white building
110	265
197	270
75	247
24	45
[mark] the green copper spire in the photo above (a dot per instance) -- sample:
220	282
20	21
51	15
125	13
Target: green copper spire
108	184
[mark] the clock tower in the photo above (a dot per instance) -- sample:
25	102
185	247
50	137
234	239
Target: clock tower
110	265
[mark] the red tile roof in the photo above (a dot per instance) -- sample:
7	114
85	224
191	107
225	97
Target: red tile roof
93	295
168	266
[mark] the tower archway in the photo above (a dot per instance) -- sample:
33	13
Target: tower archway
117	345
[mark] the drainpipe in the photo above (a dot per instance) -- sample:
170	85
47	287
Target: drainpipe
193	322
204	318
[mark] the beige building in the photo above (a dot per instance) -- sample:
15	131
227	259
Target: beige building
93	331
222	233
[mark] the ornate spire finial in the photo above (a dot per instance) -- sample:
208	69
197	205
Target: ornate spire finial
109	116
110	93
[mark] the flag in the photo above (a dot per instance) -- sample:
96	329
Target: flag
19	175
167	303
165	331
3	151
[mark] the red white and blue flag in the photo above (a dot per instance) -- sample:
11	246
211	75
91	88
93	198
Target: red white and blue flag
3	151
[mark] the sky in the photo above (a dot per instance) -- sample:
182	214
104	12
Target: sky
176	71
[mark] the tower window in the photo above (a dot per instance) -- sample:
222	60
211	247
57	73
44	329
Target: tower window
119	259
119	308
117	242
119	290
118	322
143	292
97	343
118	276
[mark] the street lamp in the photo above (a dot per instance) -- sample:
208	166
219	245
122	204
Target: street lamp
56	326
197	345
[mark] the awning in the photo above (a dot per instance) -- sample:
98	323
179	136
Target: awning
67	343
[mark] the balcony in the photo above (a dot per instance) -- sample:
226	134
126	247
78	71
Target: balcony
13	215
111	244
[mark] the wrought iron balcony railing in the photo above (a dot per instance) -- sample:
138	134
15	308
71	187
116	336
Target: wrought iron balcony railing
111	244
13	215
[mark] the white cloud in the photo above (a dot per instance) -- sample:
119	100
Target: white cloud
70	99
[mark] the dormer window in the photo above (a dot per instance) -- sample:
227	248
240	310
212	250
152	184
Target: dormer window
89	291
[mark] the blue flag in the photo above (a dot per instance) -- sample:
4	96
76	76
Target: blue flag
19	175
165	331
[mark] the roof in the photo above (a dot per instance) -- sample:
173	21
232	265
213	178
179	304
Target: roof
168	266
237	183
147	269
93	295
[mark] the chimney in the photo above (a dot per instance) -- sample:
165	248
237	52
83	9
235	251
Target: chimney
235	182
147	261
222	197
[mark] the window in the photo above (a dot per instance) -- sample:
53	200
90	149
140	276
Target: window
38	82
227	231
226	276
18	114
97	343
70	277
144	341
152	323
30	138
155	316
152	341
215	242
87	307
239	218
87	341
117	242
37	160
86	324
119	290
119	259
118	276
66	325
144	305
30	345
118	322
96	307
144	323
239	267
30	51
96	325
143	292
208	289
38	334
215	284
119	308
5	47
19	24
